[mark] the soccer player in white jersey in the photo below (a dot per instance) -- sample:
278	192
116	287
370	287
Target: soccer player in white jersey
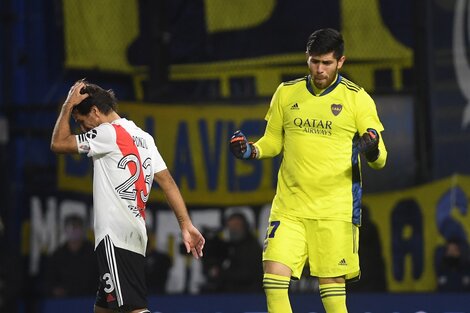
125	161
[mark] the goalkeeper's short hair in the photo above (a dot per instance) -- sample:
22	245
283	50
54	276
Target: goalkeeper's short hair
324	41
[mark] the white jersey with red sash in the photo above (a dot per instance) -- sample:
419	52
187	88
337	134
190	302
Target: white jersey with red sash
125	159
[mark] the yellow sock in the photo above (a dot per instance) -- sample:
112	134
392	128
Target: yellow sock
333	297
276	288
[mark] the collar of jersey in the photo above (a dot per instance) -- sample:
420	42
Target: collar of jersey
327	90
118	120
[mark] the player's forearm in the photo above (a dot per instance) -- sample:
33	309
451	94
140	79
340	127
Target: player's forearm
63	141
62	133
269	145
382	159
174	198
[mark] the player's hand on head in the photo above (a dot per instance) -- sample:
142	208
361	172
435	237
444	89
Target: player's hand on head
368	144
193	241
77	93
240	147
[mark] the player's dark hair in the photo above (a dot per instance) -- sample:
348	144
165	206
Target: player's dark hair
104	100
324	41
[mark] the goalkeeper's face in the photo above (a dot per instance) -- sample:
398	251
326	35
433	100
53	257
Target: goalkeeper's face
323	68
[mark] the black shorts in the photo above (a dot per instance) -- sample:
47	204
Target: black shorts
122	278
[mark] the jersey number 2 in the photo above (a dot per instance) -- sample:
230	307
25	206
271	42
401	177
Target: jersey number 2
127	190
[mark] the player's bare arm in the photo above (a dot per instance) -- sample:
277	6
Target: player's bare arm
63	141
192	238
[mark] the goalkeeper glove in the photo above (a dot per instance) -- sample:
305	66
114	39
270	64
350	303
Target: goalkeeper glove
240	147
369	144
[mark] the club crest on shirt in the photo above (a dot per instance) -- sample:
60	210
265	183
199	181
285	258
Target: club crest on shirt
336	109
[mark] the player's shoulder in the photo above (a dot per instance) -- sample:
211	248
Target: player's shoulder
135	130
291	87
295	82
103	130
350	85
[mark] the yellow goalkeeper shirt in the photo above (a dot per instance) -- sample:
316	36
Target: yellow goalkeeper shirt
319	177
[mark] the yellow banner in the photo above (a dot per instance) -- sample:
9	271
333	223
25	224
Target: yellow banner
193	141
413	225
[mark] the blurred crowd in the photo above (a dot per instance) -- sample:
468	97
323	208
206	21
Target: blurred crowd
231	264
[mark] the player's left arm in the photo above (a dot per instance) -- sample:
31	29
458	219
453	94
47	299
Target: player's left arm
270	144
63	141
382	157
192	238
371	143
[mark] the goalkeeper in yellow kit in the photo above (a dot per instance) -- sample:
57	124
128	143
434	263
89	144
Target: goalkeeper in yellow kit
322	123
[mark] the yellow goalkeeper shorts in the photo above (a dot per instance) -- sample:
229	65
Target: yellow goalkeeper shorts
330	246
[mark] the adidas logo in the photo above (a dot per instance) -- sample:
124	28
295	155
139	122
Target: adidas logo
295	106
342	262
